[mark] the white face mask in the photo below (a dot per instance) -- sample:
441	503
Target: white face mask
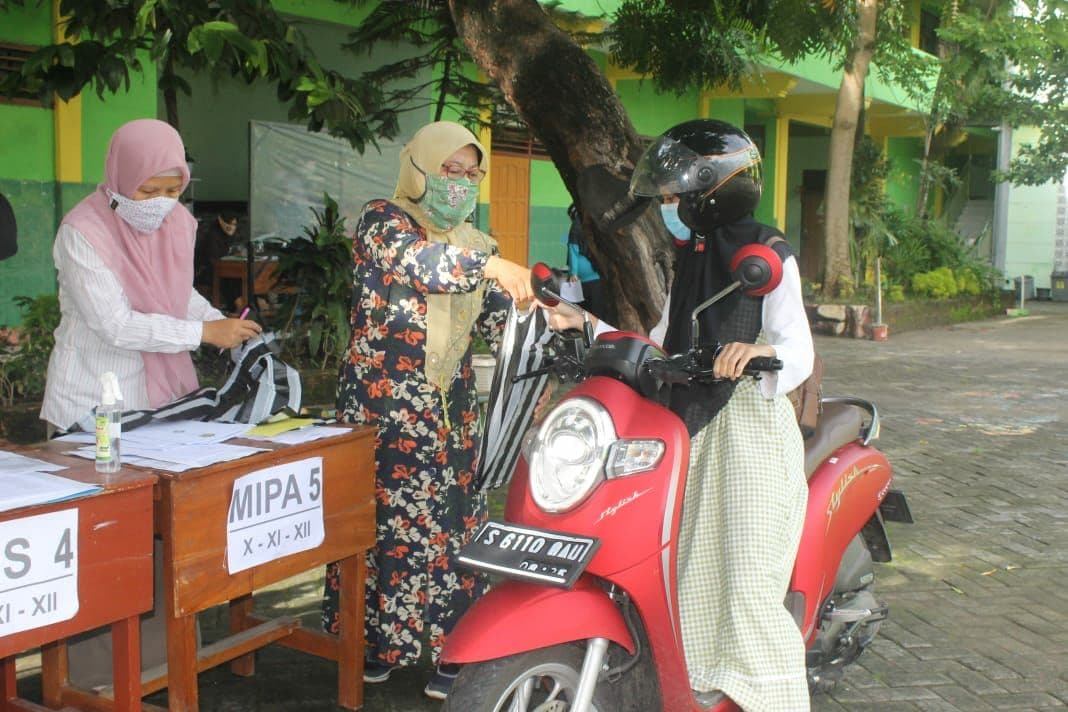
142	215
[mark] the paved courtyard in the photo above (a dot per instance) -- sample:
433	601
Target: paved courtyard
975	422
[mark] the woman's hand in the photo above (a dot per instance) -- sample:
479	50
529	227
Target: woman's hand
513	278
228	333
732	358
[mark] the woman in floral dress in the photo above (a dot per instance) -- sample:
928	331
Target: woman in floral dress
425	282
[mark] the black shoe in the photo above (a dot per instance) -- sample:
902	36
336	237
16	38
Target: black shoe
376	671
440	684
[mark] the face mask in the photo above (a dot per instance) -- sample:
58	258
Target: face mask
670	214
449	201
142	215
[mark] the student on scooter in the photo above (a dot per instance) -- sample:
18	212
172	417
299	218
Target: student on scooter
746	492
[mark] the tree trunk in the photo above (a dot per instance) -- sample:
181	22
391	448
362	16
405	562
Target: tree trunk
556	88
840	164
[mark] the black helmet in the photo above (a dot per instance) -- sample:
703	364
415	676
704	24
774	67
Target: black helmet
713	168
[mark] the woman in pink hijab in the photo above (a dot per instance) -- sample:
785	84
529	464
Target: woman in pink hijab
124	257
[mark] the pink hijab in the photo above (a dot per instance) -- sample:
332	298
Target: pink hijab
155	269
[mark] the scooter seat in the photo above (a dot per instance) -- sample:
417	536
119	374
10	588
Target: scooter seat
838	424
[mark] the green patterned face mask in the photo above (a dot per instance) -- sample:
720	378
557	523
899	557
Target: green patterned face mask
448	201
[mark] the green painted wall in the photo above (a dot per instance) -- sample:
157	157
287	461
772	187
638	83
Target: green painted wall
902	185
27	143
29	272
27	173
28	25
27	161
652	113
730	110
549	222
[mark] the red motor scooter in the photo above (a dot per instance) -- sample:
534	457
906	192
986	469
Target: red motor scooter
586	618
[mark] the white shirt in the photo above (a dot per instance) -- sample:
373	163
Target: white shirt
785	328
99	332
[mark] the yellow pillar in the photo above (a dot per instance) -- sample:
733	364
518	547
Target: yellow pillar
67	120
485	137
782	161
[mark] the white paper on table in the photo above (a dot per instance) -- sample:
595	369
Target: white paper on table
21	489
177	458
303	435
164	434
78	436
13	462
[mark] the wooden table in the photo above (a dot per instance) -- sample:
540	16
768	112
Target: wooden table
114	565
191	515
264	271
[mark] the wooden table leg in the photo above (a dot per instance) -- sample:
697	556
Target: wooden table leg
181	662
8	689
350	654
240	610
55	675
126	663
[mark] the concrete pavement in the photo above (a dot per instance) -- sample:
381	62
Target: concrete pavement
974	422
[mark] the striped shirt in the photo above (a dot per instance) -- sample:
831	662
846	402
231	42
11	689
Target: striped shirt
99	331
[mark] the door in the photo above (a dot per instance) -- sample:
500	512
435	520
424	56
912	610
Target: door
510	205
813	188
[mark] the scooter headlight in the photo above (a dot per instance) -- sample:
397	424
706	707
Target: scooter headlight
568	454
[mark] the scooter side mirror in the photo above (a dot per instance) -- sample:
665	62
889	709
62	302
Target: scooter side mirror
757	268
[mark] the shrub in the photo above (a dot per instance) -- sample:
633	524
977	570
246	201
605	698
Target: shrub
938	283
24	364
319	266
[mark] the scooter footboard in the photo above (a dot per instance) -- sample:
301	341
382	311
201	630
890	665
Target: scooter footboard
516	616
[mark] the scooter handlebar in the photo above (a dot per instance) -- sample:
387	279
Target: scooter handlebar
762	363
683	368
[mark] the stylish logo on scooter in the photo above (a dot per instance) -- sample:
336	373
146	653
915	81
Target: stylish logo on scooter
611	511
848	479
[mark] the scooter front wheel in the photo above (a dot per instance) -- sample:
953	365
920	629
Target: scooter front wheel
543	680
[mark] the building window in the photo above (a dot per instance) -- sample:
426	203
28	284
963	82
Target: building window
12	57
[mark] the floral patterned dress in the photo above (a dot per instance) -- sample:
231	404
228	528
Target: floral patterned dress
428	438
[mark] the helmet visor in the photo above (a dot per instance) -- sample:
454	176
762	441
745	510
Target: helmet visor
669	167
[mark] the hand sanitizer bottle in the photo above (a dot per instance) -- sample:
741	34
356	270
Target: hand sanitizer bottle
108	424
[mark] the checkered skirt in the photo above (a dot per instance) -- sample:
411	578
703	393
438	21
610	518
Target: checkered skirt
741	524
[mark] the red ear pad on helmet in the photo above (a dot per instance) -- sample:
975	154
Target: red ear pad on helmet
758	268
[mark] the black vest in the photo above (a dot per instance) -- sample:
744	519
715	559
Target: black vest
702	268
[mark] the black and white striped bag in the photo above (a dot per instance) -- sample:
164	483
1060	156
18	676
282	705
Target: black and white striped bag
258	386
510	409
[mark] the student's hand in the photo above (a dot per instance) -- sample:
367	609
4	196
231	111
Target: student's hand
513	278
563	316
732	359
228	333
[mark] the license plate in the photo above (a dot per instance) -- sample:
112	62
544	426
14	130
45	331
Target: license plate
528	553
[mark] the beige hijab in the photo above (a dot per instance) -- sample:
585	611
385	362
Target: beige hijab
449	316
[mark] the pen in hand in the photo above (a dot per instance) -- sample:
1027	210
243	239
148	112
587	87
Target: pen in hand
244	313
